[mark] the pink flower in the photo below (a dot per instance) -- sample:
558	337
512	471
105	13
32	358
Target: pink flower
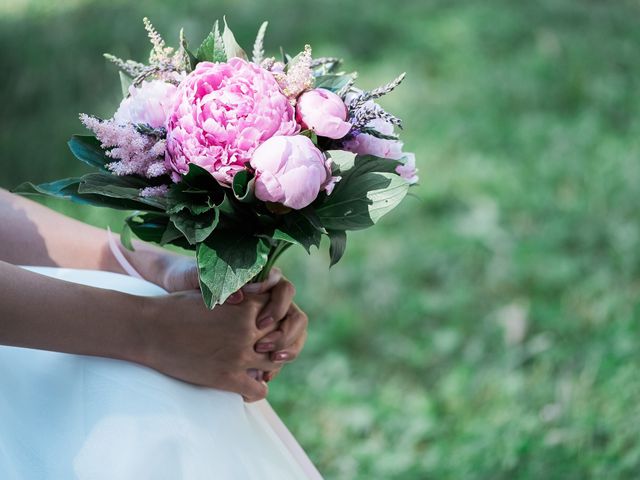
365	144
149	103
290	171
324	112
408	169
222	113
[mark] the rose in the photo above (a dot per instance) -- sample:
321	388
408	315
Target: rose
149	104
324	112
290	171
222	113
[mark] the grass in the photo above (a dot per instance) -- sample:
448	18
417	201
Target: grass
488	329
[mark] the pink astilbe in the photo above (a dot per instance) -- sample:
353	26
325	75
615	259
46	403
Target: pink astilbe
134	152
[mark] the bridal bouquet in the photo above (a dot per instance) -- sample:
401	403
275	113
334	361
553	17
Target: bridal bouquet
240	158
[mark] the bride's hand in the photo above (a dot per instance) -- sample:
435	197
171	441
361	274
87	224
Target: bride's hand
181	338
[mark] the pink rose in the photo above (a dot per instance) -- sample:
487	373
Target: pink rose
222	113
149	103
324	112
408	169
290	171
365	144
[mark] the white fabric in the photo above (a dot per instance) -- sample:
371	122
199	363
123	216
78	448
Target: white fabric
76	417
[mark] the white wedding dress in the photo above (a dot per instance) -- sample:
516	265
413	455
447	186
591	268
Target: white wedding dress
66	417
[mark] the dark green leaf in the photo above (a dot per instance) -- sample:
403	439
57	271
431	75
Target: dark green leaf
148	226
125	187
196	228
243	186
300	229
87	148
68	188
337	246
365	193
226	262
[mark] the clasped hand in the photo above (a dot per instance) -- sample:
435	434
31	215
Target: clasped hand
238	346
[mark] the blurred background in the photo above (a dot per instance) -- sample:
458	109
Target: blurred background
489	328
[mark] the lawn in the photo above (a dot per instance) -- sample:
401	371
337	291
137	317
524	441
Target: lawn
490	327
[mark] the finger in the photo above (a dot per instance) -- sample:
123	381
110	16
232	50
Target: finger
262	363
235	298
290	353
275	275
250	389
293	327
268	342
281	297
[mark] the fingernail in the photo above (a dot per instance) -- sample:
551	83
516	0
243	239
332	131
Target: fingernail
280	356
265	347
235	297
265	322
252	287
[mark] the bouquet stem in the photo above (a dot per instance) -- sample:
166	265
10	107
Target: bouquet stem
278	249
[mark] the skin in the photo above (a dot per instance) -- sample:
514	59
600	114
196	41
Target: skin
257	330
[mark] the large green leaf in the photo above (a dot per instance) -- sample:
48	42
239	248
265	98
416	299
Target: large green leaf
68	188
88	149
124	187
365	193
227	260
149	227
196	228
298	228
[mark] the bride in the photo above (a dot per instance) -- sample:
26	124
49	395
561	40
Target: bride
104	376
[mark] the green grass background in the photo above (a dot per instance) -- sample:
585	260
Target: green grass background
489	327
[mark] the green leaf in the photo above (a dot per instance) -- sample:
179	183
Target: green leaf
148	226
243	186
196	228
231	47
171	234
87	148
68	188
125	82
125	237
227	261
125	187
333	82
337	246
343	159
365	193
298	228
212	49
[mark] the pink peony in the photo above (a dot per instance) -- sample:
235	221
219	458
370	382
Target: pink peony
324	112
222	113
290	171
365	144
148	104
408	169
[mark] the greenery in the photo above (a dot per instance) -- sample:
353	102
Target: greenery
488	328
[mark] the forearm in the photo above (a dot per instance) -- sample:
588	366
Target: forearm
48	314
31	234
